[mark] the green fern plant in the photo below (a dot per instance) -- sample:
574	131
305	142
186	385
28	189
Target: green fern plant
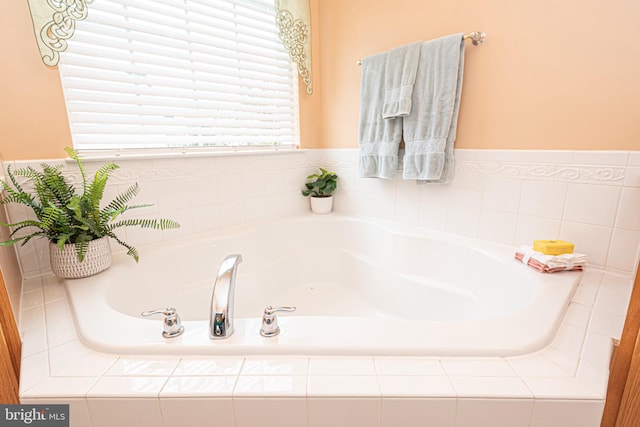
65	215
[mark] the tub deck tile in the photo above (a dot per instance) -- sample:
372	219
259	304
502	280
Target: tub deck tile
275	365
353	386
60	388
74	359
143	366
127	387
190	366
482	367
491	387
537	366
294	386
319	366
218	386
408	366
416	386
561	388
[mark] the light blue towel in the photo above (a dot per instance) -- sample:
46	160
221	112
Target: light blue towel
400	76
430	130
378	138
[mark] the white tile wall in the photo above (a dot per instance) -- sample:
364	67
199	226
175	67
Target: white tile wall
140	412
418	412
343	412
78	409
494	412
505	196
553	413
196	412
262	411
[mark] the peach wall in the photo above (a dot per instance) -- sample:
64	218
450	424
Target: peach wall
311	105
551	75
33	119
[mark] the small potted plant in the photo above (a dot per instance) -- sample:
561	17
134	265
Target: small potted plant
320	190
72	219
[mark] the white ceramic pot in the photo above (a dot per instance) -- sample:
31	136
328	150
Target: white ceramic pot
64	262
321	205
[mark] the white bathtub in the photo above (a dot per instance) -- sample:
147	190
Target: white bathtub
361	287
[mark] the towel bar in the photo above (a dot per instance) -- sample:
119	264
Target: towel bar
476	37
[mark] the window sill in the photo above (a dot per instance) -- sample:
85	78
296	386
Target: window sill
149	154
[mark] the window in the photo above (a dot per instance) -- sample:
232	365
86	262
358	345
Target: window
179	73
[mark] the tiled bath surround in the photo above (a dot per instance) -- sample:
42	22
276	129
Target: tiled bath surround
561	385
511	197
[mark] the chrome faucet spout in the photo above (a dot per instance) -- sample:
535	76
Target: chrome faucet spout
221	313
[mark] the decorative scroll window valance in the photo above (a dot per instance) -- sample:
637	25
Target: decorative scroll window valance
54	22
294	22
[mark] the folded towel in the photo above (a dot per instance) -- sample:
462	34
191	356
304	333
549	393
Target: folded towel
400	76
551	263
430	129
378	138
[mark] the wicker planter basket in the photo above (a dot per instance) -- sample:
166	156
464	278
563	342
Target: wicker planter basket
64	262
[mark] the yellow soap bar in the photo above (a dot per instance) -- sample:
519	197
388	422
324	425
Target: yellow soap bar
553	247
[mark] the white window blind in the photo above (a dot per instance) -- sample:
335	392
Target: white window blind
179	73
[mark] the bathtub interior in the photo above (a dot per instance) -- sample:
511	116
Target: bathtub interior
346	268
360	287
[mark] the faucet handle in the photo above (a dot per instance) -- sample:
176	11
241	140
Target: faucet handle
172	323
270	326
169	311
268	311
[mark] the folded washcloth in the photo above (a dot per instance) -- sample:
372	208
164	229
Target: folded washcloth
400	76
551	263
430	129
378	139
